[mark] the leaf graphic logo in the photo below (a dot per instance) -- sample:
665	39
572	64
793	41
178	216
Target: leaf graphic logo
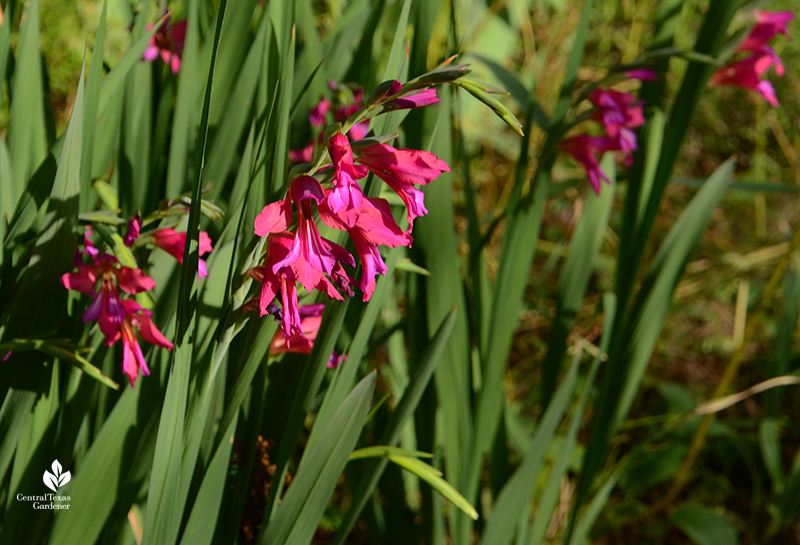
56	479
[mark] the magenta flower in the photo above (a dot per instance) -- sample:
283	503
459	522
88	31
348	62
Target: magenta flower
768	25
88	249
302	155
750	73
300	343
138	320
643	74
107	308
317	114
619	113
283	280
402	169
374	226
174	243
310	256
584	149
167	43
134	228
346	194
421	98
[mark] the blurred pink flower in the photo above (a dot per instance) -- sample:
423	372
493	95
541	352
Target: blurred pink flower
107	307
88	249
584	149
302	343
134	228
317	114
302	155
750	73
167	43
643	74
618	113
768	25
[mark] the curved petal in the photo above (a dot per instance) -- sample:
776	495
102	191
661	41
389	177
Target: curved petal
133	280
274	217
149	331
83	281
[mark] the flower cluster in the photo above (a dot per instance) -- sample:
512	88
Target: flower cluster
297	253
104	277
750	72
618	114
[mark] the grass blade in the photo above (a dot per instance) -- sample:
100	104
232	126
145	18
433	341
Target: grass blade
296	519
401	415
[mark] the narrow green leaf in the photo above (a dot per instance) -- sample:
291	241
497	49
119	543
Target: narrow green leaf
662	277
298	515
27	141
593	510
205	511
516	253
53	255
705	526
514	499
169	475
184	121
431	476
386	451
575	274
634	340
120	456
93	82
397	422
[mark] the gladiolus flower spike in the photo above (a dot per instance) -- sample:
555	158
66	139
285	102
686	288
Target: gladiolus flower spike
297	253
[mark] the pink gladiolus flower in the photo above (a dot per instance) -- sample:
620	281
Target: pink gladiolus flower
283	280
374	226
300	343
167	43
138	320
346	194
310	256
584	149
174	243
414	100
107	308
768	25
750	73
401	169
310	320
134	228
